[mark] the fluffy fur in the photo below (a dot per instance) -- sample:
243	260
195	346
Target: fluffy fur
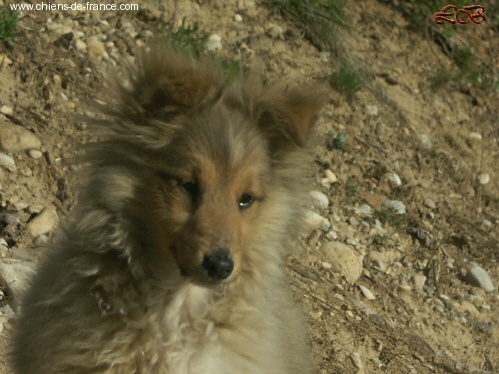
188	164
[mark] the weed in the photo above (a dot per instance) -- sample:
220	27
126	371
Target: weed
388	216
8	25
336	141
317	18
350	187
347	81
192	40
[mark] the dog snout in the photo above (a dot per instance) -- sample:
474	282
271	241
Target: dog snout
218	264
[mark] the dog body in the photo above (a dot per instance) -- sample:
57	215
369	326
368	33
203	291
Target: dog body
171	261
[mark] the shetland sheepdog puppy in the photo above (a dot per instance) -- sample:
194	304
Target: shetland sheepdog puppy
171	261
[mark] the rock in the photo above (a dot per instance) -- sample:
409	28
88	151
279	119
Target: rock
275	32
429	203
364	210
214	43
81	45
7	110
478	277
319	200
344	260
331	177
426	142
314	220
15	138
7	162
394	179
396	205
367	293
374	200
43	223
372	110
16	274
484	179
35	153
95	47
419	281
238	18
475	136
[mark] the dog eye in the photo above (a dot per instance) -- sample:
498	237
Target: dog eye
246	201
190	188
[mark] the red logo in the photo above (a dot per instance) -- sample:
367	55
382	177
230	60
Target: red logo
457	15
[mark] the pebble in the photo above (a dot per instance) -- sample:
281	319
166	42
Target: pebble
314	220
372	110
429	203
331	177
95	47
319	200
16	274
478	277
35	153
364	210
367	293
214	43
475	136
484	179
419	281
7	110
43	223
394	179
7	162
238	18
81	45
357	361
426	142
344	260
275	31
396	205
14	138
325	56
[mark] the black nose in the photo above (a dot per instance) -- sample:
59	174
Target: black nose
218	264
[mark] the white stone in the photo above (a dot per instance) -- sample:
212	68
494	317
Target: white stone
314	220
7	110
7	162
372	110
394	179
35	153
214	43
429	203
426	142
484	178
396	205
330	176
16	274
319	200
238	18
368	294
478	277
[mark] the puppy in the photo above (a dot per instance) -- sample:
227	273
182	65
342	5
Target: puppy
171	262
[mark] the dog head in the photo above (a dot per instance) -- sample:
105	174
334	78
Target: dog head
210	164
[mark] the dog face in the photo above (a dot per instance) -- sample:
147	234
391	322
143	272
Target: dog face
208	158
208	193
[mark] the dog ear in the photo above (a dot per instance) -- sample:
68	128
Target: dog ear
286	115
166	83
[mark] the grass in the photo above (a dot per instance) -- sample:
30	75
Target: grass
192	40
346	81
317	18
8	25
390	217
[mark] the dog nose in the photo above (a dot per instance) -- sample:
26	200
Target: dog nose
218	264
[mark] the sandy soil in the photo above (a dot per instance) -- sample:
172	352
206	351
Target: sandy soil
400	122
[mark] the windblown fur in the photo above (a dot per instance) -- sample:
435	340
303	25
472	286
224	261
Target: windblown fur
187	165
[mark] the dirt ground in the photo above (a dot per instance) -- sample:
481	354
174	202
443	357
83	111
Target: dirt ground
411	308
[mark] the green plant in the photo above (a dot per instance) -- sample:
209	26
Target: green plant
350	187
347	81
336	141
391	217
317	18
8	24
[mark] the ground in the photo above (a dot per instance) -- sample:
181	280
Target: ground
408	305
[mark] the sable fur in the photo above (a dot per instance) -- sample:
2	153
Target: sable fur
123	289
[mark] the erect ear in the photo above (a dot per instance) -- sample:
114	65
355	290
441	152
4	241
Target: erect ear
287	115
165	83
